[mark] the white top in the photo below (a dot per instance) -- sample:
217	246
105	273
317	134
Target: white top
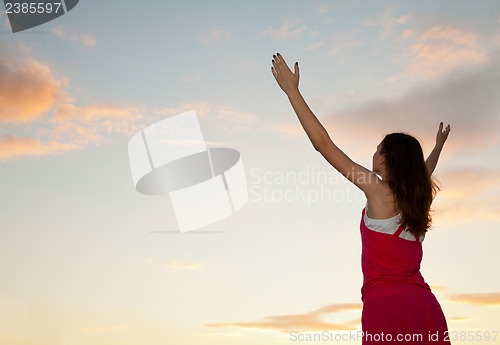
389	226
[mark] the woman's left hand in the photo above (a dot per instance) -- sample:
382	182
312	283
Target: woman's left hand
441	135
287	80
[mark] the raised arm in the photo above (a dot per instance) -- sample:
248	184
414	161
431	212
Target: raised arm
289	83
433	158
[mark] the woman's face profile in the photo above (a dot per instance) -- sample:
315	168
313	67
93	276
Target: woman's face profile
378	159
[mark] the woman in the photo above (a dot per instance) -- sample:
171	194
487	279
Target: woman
398	306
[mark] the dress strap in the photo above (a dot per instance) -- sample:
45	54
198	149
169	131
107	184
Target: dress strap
399	230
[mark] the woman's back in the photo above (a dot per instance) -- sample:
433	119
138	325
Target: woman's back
390	253
382	204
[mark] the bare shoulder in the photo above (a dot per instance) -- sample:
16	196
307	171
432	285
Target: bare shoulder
381	202
372	185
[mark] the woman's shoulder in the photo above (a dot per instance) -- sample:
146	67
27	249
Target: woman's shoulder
382	205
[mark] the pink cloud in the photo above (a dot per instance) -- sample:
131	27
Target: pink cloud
28	90
29	93
387	21
310	321
468	100
215	36
438	51
81	39
466	195
287	31
11	147
485	299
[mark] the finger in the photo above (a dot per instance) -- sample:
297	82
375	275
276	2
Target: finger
281	62
296	69
276	59
275	74
278	66
441	127
275	65
279	57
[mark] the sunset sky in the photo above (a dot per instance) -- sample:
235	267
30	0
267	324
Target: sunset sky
85	259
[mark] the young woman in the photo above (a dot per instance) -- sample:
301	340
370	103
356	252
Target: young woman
398	305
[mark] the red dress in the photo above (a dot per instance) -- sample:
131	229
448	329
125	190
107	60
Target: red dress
398	305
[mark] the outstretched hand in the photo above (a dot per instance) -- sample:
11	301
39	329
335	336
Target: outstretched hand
287	80
441	135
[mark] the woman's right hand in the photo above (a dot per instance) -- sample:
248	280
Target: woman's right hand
441	135
287	80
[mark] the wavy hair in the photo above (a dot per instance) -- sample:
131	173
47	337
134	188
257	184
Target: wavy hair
408	177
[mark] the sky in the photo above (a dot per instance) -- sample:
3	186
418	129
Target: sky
86	259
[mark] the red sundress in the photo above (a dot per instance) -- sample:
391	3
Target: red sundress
398	305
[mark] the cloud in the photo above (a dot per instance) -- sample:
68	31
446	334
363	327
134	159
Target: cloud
11	147
322	9
24	47
85	40
438	51
90	113
72	127
223	117
93	124
439	288
449	34
311	321
342	42
314	33
215	36
466	196
289	129
470	181
458	318
31	95
468	100
287	31
222	334
75	38
64	112
315	46
342	100
484	299
387	21
28	89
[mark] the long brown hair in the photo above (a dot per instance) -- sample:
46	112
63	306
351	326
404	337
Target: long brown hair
410	181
